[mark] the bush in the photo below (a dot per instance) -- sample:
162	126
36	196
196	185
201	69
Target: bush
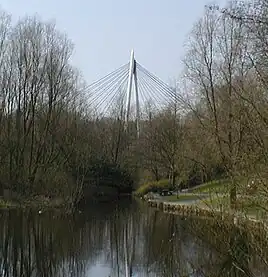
153	186
108	174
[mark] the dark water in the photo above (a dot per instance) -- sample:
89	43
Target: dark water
125	240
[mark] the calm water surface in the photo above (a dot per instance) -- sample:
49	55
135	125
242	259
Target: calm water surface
127	239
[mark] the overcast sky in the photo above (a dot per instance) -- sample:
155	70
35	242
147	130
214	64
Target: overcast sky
104	31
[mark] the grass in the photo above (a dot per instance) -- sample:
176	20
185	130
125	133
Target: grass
36	202
222	186
217	192
255	205
215	186
4	204
209	187
216	201
250	206
182	197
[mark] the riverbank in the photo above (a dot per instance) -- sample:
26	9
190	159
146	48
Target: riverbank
213	195
237	218
40	203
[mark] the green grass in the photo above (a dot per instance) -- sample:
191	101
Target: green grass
222	186
32	203
250	206
255	204
218	190
215	186
182	197
216	201
4	204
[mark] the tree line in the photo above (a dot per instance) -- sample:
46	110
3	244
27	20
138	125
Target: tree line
225	67
51	143
218	129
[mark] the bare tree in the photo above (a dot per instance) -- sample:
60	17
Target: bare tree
213	65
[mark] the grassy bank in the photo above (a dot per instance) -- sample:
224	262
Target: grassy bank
250	205
256	207
214	195
6	204
216	186
224	186
34	202
183	197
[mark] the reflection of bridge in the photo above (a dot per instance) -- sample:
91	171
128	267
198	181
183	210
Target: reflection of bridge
130	87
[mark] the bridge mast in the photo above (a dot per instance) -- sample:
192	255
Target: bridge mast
132	75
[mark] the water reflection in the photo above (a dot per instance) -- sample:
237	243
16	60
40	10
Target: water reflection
125	240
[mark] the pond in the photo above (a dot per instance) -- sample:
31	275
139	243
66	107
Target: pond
125	239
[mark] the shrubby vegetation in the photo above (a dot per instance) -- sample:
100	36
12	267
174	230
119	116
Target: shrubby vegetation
49	143
153	186
218	129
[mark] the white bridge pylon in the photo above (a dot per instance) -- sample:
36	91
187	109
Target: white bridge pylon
130	84
132	76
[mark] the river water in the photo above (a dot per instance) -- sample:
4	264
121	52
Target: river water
126	239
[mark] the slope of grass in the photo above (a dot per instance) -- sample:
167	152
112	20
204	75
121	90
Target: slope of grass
182	197
250	206
215	201
215	186
4	204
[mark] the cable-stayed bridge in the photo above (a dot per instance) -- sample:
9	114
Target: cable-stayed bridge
129	93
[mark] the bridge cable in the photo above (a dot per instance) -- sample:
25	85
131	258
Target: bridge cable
103	86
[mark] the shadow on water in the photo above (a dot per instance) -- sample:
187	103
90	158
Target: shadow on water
125	240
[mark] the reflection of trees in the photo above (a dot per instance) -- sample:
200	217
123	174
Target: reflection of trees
183	247
128	239
40	245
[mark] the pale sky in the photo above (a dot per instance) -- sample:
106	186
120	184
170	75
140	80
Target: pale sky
104	31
